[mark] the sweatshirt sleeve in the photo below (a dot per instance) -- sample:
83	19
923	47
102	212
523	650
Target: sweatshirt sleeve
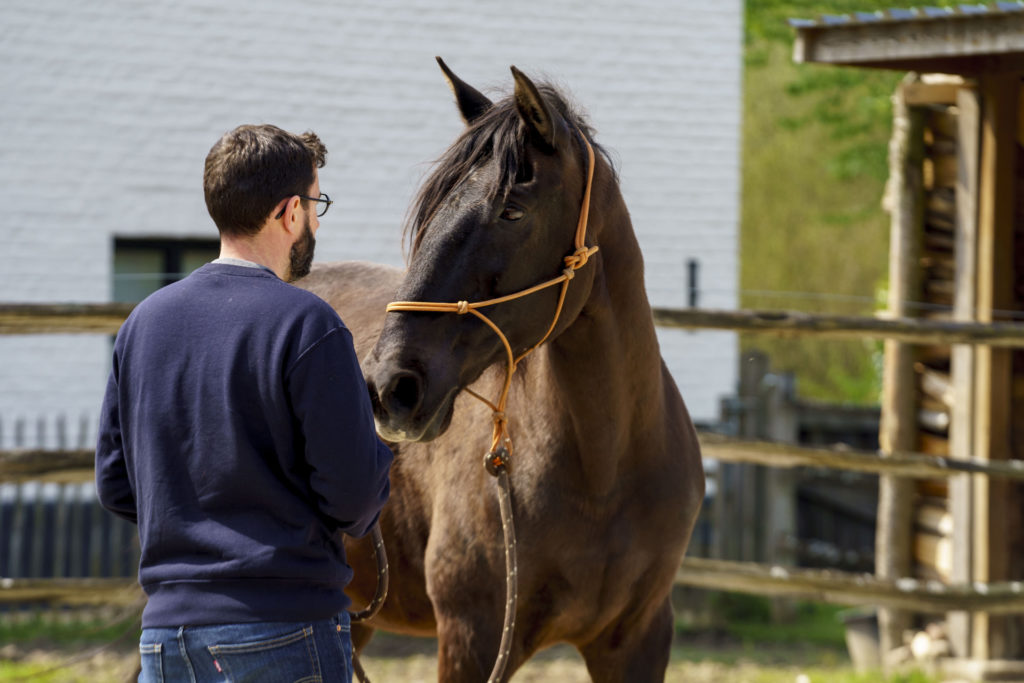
349	465
112	484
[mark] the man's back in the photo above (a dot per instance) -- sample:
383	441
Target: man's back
232	410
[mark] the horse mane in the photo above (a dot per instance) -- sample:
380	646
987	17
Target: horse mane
499	134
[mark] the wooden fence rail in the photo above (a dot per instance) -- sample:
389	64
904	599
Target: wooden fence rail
852	589
107	318
62	318
915	465
61	466
70	466
788	323
823	585
72	592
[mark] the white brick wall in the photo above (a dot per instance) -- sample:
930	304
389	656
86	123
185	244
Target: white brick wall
110	108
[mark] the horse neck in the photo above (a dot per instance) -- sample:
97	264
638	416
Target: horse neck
606	364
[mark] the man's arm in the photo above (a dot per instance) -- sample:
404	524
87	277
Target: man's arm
112	484
349	464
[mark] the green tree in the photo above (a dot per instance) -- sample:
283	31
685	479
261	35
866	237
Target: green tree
813	234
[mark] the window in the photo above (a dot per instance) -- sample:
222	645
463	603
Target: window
142	266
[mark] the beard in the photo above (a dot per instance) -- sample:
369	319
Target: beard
300	259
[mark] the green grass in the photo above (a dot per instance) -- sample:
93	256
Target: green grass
814	624
758	646
45	627
751	621
54	647
753	648
36	672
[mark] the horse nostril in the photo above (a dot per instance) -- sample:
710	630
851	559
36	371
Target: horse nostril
402	395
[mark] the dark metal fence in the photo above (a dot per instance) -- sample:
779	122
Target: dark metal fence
51	529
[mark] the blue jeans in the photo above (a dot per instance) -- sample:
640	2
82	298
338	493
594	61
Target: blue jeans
317	652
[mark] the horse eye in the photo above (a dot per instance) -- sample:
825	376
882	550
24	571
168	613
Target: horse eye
511	212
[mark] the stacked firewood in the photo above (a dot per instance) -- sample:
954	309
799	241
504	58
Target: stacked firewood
933	525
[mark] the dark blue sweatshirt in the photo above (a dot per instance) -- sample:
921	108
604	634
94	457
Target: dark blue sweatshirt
237	432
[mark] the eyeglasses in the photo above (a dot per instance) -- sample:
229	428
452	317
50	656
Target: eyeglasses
320	210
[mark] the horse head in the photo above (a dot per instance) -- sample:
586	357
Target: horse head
496	216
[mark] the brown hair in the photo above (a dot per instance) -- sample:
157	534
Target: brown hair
251	169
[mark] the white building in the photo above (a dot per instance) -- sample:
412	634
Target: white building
109	109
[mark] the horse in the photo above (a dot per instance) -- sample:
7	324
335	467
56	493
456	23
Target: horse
604	463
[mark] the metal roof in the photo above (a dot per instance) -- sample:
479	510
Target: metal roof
916	14
968	38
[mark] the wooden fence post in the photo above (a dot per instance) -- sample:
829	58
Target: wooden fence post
750	478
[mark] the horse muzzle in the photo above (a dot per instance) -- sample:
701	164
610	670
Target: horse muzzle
404	408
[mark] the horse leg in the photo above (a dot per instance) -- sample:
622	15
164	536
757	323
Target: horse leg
467	649
361	635
631	650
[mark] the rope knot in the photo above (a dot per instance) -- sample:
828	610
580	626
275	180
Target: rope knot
462	307
578	258
569	273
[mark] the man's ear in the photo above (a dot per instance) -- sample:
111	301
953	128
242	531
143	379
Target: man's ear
290	220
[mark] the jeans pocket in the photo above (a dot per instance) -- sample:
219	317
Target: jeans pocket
291	657
152	660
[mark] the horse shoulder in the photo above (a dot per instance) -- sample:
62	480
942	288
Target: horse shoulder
683	444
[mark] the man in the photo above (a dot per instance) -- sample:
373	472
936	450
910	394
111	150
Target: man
237	433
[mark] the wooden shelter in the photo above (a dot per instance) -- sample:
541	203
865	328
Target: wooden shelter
956	196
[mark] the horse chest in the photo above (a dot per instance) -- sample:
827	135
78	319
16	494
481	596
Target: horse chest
576	581
600	547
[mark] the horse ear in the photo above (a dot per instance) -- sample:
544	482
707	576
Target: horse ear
472	104
534	110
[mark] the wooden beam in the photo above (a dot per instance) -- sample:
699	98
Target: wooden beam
993	390
917	45
919	93
961	430
970	66
1020	119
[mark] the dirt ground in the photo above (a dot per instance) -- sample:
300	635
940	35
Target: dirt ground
410	661
565	666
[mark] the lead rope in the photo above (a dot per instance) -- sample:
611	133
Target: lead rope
381	556
497	459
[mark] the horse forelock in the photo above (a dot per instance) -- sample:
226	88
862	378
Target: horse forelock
498	137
